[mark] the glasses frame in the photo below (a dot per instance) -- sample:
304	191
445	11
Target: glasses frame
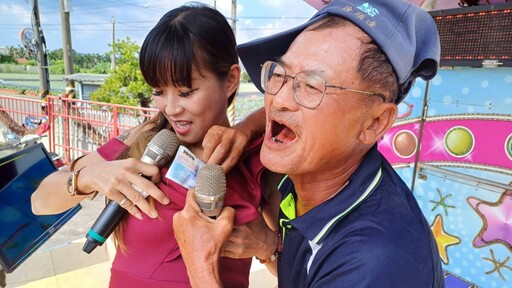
326	85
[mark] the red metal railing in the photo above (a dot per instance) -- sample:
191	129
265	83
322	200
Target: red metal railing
76	126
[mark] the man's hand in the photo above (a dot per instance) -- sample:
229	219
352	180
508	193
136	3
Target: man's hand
224	146
251	239
200	240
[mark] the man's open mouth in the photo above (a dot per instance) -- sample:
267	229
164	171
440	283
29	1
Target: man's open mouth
281	133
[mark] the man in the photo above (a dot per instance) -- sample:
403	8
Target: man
331	88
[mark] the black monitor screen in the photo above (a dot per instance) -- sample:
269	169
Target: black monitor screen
22	232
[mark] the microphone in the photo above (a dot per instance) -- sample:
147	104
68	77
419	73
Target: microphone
210	189
158	152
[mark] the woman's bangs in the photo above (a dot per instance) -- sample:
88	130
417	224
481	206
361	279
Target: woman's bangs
167	58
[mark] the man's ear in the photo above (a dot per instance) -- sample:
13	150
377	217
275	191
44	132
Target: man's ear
383	117
233	79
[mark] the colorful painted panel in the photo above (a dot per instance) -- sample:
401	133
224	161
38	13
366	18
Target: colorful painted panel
463	183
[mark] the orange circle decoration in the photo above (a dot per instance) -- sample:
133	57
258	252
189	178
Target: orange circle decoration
459	141
508	146
405	143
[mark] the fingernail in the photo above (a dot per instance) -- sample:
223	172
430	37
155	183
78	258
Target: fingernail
153	214
166	201
138	216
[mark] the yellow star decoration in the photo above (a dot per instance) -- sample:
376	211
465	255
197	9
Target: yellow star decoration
443	239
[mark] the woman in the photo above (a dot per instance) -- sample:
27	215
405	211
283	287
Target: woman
189	59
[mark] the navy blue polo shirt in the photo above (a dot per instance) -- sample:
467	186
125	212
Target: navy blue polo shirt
370	234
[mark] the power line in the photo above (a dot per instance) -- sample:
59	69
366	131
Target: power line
129	24
268	17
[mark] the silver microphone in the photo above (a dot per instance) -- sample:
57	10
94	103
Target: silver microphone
161	148
158	152
210	189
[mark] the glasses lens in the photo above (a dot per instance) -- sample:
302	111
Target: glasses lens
309	89
273	76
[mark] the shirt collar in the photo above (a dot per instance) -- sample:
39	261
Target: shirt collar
317	223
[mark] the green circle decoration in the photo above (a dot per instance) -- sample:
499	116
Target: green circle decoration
459	141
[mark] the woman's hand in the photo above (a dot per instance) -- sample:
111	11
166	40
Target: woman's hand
122	182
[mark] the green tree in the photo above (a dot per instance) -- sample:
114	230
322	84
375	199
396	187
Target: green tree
83	61
100	68
31	62
125	85
57	67
245	77
55	55
7	59
20	53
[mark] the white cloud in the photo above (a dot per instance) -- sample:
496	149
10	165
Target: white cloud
91	26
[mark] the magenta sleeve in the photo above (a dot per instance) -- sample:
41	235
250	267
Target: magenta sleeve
112	149
244	187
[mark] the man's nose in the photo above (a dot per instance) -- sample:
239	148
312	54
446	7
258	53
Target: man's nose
284	99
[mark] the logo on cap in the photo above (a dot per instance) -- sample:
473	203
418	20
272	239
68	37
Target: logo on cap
368	9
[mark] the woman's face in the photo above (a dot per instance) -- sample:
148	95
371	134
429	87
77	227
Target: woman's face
193	110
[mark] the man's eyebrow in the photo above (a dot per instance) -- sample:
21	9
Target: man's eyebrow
279	60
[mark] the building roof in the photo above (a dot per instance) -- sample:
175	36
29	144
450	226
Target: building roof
88	78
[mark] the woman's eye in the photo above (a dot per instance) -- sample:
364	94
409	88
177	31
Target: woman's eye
186	94
157	93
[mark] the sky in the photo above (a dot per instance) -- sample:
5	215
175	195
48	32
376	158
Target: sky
91	20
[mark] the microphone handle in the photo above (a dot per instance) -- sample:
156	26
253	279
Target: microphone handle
106	223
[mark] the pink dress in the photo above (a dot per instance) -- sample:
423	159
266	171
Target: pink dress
153	257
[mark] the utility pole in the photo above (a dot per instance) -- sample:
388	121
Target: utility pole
44	77
231	108
233	16
67	48
113	64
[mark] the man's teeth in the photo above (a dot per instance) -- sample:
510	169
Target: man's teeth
276	140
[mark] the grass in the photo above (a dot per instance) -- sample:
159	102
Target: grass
56	81
245	105
247	87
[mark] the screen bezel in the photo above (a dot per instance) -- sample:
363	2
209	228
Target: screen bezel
8	264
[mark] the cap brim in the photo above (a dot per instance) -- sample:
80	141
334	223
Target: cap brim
254	53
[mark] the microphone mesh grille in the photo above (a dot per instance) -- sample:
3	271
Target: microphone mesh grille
167	141
210	180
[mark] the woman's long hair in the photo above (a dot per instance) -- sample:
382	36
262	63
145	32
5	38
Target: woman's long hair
191	36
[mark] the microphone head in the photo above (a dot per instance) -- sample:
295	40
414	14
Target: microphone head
161	148
210	189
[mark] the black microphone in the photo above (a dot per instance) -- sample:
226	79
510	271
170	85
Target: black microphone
210	189
158	152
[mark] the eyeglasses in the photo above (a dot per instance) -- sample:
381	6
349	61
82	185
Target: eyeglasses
308	87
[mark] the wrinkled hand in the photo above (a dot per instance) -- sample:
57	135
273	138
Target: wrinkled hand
121	179
200	240
224	146
251	239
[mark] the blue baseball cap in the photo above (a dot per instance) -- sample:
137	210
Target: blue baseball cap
404	32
